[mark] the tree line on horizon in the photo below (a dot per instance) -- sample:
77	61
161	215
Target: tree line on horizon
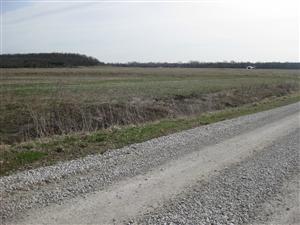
231	64
50	60
46	60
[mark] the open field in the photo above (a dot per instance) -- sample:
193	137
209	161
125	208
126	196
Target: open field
89	107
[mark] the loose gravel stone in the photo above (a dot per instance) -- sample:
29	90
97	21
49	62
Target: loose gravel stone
238	194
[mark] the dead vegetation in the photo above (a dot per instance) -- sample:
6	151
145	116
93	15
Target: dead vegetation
63	117
42	109
50	115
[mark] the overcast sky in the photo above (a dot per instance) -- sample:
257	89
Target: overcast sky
122	31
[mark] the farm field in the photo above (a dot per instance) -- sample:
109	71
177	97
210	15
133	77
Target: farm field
48	104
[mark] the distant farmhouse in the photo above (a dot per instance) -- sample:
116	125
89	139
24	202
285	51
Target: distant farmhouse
250	67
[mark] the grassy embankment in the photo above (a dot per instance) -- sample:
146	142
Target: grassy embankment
154	102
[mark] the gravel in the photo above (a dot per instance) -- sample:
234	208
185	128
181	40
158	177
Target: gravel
53	184
238	194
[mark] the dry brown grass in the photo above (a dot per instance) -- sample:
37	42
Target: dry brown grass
46	102
63	117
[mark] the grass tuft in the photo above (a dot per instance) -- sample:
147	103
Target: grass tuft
29	156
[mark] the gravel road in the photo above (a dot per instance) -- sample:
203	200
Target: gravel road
239	171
